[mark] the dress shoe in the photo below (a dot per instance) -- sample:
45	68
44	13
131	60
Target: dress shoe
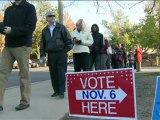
1	108
54	95
61	95
21	106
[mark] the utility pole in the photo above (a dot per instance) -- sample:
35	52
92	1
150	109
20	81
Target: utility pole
60	11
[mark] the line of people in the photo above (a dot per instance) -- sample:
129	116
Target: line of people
89	48
91	51
121	58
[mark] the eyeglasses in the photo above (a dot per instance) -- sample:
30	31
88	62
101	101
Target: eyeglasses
51	16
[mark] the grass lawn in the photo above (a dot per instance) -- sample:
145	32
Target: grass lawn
145	91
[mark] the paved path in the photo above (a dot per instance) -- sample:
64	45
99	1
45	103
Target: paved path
43	107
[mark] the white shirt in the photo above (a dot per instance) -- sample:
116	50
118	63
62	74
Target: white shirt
51	27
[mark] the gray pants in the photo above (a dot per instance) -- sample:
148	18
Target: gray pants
99	60
95	61
9	55
103	59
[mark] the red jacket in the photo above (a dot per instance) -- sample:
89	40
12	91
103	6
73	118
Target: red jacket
138	55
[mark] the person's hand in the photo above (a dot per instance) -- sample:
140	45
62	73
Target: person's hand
7	30
77	42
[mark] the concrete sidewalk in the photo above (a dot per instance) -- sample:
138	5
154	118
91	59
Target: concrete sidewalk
150	69
42	107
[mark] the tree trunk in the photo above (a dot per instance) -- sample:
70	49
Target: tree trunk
60	11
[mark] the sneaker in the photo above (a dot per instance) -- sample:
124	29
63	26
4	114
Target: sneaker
21	106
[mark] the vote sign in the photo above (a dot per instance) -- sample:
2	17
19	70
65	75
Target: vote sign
106	94
156	107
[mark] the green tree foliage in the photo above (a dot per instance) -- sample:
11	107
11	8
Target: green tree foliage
36	39
43	7
120	29
149	34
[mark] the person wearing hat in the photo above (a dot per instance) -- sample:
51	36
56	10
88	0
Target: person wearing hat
19	23
56	42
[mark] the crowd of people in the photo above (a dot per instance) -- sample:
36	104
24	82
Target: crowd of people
121	58
90	50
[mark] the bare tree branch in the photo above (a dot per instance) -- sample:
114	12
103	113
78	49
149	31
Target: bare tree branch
110	8
137	3
96	3
97	6
154	3
71	3
119	4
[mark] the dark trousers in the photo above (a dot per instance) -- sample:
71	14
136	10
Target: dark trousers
95	61
125	63
108	62
81	61
57	63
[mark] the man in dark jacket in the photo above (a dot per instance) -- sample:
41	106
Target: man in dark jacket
97	48
18	26
56	42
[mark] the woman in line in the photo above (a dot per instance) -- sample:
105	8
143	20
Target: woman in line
81	39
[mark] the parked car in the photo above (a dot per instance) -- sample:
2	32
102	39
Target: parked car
34	64
30	63
42	62
15	64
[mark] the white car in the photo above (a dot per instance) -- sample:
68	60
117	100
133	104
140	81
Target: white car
34	64
15	64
